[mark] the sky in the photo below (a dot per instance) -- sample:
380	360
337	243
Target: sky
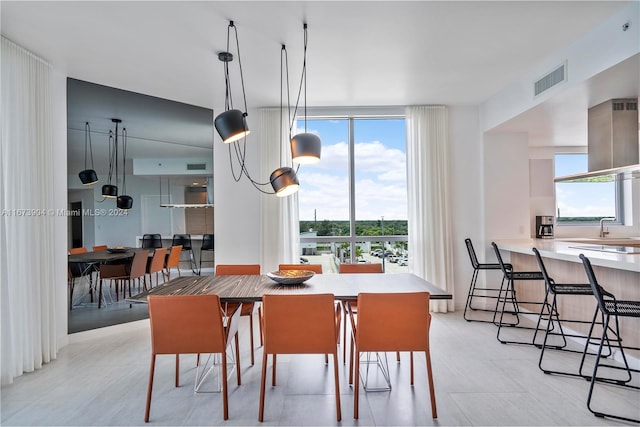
582	199
381	171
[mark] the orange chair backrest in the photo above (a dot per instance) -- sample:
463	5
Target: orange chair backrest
361	268
299	324
157	262
74	251
100	248
186	324
231	269
316	268
139	264
393	322
174	256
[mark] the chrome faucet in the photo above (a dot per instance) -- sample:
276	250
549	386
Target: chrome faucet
602	232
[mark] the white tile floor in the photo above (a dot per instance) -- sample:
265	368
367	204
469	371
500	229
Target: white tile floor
101	379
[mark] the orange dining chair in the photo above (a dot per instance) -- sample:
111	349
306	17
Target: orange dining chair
156	265
316	268
100	248
173	261
391	322
123	273
248	306
349	269
75	251
298	324
191	324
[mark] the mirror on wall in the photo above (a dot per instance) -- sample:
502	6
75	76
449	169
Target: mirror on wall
164	156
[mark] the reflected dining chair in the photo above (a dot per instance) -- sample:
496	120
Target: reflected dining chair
156	265
247	306
122	273
316	268
173	261
298	324
391	322
349	269
98	248
190	324
77	270
75	251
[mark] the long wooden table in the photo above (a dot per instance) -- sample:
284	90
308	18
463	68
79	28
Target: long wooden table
252	288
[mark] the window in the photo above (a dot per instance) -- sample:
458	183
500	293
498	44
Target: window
353	204
589	199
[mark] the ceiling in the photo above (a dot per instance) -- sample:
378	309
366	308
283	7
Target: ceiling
360	53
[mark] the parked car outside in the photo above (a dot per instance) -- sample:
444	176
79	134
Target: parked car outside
403	261
392	258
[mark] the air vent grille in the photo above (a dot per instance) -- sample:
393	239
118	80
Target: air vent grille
548	81
196	166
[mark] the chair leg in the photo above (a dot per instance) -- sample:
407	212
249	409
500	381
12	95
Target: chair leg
356	384
251	336
238	359
260	324
178	370
100	294
337	384
262	383
273	370
150	388
434	411
225	393
397	356
411	359
344	337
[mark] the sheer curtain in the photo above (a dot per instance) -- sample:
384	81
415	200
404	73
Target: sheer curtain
430	234
280	229
27	267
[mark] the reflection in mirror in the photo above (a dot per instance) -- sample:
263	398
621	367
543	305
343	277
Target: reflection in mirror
166	140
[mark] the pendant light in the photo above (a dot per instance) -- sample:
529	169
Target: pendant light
232	123
88	176
109	190
305	147
284	179
123	201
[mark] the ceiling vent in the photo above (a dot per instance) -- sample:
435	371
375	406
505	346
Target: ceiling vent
550	80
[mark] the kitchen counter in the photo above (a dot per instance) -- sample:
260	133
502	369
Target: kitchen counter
566	250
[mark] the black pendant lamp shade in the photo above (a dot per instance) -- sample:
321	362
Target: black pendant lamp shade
110	191
284	181
306	148
88	176
124	202
231	125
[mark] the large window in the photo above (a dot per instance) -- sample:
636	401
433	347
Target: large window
586	200
353	204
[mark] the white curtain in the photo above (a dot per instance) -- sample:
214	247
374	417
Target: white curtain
280	228
430	245
28	291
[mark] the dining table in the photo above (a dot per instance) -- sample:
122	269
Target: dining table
345	287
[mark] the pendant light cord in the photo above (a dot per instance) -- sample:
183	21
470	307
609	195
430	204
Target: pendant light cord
111	152
124	160
303	83
87	135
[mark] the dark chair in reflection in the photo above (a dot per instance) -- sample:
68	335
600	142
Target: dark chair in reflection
207	245
184	240
151	241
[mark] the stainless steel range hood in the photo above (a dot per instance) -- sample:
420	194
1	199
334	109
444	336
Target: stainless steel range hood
614	152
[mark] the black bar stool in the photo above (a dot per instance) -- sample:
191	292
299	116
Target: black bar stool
207	245
487	293
554	322
507	294
151	241
185	241
610	307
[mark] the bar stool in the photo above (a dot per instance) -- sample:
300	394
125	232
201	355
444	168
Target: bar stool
207	245
477	267
185	241
508	294
610	307
151	241
555	289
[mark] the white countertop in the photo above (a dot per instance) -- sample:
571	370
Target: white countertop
563	250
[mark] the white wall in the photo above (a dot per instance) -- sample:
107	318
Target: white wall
237	204
466	176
